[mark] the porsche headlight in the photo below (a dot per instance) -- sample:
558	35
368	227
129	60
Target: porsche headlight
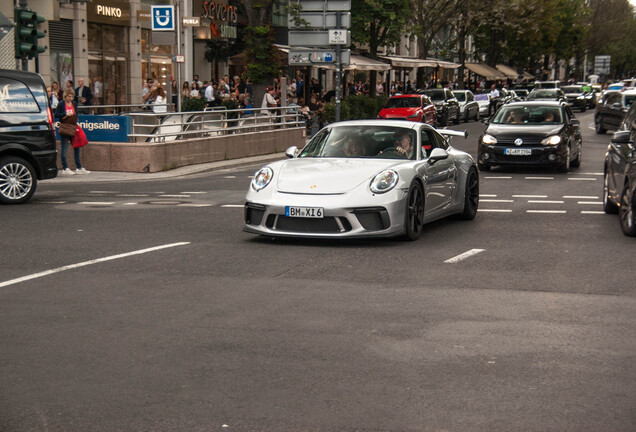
262	178
384	181
489	139
551	140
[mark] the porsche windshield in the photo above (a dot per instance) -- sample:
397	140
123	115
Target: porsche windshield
403	102
532	116
366	141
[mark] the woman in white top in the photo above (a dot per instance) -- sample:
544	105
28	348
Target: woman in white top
159	104
194	92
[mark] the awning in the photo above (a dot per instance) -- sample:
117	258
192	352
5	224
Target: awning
485	71
508	71
527	76
358	62
413	62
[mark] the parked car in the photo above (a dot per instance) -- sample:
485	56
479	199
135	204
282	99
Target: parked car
506	96
611	111
553	94
468	106
619	180
364	178
575	96
413	107
483	102
27	136
522	93
446	104
532	133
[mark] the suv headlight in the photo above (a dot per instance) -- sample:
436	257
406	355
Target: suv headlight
262	178
489	139
551	140
384	181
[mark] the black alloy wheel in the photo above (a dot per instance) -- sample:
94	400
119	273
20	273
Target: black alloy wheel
608	206
471	195
565	166
414	217
17	180
579	156
626	214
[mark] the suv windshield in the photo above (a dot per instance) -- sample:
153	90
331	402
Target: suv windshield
385	142
542	94
403	102
532	116
436	95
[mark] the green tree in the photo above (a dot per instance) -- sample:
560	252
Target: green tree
377	24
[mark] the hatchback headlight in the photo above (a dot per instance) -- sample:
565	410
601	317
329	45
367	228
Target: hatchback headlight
384	181
551	140
489	139
262	178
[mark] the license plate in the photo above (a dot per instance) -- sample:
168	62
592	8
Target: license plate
304	212
518	151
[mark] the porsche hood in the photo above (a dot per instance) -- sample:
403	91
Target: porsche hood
310	176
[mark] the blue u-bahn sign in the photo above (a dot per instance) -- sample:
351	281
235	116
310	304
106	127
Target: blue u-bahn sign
162	18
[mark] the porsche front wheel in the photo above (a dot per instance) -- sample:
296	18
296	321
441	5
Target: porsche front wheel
626	213
414	217
471	195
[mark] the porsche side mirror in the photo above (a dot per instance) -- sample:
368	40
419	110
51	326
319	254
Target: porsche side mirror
437	154
291	152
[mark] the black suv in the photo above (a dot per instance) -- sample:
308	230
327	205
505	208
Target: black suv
446	104
619	185
611	111
27	136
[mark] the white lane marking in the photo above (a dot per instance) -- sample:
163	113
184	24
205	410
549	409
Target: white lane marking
174	196
95	203
53	202
229	177
590	202
582	179
529	196
463	256
597	174
592	212
199	192
496	200
130	204
132	195
495	210
86	263
194	205
545	202
539	178
103	192
580	197
487	195
233	205
547	211
498	178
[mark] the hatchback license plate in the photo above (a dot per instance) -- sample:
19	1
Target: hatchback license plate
304	212
518	151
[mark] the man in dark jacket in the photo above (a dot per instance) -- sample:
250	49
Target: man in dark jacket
83	94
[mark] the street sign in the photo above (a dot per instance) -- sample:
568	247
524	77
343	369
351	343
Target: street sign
319	38
320	20
328	5
602	64
191	21
179	58
317	57
162	18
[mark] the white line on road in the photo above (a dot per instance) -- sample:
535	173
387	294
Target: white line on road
539	178
544	202
103	192
130	203
487	195
85	263
132	195
579	197
96	203
174	196
582	179
547	211
498	178
596	173
195	205
590	202
592	212
53	202
463	256
233	205
494	210
199	192
529	196
496	200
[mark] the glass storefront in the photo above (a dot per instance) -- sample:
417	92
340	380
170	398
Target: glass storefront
156	60
107	64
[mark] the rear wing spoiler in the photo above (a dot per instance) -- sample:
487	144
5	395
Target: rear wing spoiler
450	132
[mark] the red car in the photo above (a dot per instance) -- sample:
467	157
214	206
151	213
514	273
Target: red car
413	107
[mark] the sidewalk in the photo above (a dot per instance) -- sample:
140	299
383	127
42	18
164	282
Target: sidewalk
107	176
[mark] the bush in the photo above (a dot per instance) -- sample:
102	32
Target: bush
193	104
356	107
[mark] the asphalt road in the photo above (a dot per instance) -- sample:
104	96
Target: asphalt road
143	306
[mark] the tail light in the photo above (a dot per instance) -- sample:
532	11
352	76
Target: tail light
49	115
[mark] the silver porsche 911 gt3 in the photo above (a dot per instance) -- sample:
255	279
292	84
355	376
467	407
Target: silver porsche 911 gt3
364	178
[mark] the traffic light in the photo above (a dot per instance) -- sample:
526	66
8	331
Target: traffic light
27	34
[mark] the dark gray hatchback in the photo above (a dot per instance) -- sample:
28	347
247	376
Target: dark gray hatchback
27	136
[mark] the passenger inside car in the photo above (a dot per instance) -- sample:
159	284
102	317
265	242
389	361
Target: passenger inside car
551	117
515	117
